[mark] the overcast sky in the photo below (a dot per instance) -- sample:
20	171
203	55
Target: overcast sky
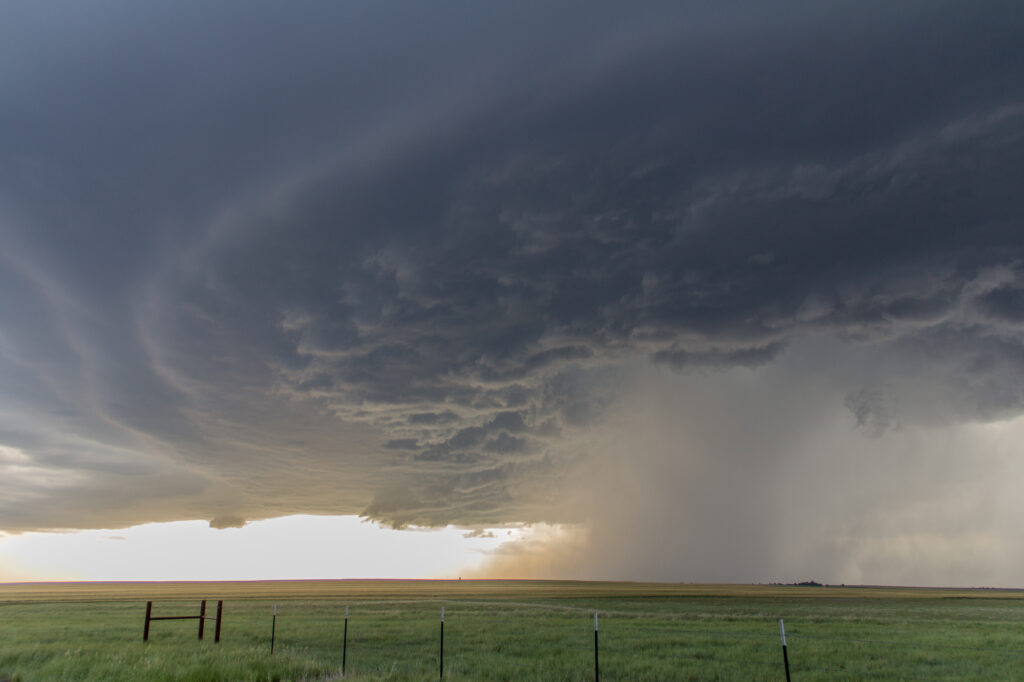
726	290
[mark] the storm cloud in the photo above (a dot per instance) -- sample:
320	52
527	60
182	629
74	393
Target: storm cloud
428	264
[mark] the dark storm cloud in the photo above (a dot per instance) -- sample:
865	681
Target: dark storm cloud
363	258
746	357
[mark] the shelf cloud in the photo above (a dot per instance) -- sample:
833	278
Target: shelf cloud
681	276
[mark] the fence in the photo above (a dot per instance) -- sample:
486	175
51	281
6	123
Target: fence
202	618
770	654
656	639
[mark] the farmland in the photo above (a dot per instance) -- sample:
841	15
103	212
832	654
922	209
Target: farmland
509	630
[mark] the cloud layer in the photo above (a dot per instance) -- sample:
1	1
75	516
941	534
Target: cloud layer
412	263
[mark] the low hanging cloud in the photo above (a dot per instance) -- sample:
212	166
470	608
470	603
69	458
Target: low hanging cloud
325	262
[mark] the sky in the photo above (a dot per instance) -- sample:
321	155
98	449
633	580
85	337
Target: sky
680	291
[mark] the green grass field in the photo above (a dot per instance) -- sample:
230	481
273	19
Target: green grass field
509	630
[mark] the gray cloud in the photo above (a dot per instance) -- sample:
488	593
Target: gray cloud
872	408
227	522
325	261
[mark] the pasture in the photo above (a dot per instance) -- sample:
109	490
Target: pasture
509	630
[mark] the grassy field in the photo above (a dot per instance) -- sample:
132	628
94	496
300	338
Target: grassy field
509	630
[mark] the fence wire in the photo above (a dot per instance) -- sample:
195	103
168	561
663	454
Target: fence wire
620	631
905	644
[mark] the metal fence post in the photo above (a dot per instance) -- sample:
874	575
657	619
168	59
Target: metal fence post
785	656
344	643
273	629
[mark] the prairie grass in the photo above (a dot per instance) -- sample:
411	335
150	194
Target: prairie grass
509	630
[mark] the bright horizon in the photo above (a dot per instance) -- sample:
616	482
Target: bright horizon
288	548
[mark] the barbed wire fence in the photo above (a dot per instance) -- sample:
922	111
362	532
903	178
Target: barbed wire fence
772	656
361	634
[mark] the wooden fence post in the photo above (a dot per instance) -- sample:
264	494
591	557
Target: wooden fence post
202	618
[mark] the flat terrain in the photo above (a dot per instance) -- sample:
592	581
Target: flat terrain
509	630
